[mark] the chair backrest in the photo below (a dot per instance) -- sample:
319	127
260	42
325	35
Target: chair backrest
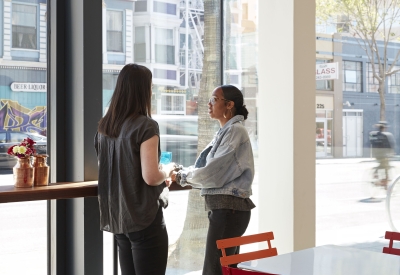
238	258
392	236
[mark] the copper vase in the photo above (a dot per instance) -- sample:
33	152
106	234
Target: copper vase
23	173
41	170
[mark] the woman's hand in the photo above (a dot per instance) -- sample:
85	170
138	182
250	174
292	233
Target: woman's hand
168	169
168	182
173	176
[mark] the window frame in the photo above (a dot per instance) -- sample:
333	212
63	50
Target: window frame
173	105
123	19
61	76
358	71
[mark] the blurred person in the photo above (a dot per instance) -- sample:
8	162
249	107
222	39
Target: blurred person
383	147
132	187
224	172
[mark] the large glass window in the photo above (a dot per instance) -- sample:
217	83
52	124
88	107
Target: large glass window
354	202
114	31
24	26
23	113
179	97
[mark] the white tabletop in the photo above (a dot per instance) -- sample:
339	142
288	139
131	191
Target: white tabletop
328	260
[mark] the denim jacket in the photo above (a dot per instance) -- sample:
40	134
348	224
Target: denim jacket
226	165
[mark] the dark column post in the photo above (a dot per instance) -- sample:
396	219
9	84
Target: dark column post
75	106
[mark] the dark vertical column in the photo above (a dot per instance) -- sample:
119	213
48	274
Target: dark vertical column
75	106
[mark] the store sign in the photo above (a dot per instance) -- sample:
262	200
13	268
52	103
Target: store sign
327	71
28	87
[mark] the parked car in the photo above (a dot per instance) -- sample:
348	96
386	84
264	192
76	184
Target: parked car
178	135
10	138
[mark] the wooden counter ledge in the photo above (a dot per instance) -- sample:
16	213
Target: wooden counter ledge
59	190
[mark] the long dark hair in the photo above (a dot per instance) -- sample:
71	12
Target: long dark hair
232	93
131	98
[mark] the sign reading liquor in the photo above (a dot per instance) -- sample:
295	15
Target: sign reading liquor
326	71
28	87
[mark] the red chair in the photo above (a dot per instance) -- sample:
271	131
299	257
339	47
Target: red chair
238	258
392	236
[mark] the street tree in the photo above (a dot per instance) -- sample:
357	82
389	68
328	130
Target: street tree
188	252
373	24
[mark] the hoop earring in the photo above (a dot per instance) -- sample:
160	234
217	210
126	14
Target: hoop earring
230	110
224	114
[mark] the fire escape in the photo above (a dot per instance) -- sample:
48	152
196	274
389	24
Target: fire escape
192	51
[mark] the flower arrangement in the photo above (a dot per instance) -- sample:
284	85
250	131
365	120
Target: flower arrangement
23	150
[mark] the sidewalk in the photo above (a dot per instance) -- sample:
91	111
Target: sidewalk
349	160
343	160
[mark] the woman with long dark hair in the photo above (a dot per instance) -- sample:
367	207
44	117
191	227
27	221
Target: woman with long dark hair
132	186
224	172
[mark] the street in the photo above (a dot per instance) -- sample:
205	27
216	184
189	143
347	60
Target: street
345	216
345	213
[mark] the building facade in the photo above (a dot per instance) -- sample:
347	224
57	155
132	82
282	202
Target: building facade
348	108
23	61
165	36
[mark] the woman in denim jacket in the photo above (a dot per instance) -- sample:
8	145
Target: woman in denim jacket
224	172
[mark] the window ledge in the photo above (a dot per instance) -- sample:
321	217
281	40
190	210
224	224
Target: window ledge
60	190
25	50
56	191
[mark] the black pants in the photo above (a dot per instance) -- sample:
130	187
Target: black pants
224	223
144	252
